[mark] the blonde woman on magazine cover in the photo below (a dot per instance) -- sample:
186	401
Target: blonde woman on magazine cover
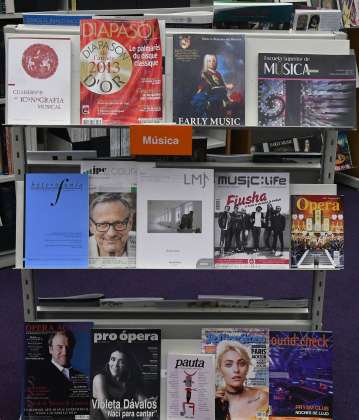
234	399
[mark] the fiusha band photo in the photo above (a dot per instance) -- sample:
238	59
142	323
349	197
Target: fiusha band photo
178	189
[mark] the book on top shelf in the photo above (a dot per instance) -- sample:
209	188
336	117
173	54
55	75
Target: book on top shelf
306	90
251	220
252	15
208	79
317	232
120	71
306	144
38	80
300	375
317	20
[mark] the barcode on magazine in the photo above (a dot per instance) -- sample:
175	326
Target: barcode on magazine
92	121
218	205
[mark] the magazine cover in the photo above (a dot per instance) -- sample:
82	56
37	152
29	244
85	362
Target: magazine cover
112	213
307	144
343	159
190	386
120	71
208	79
38	81
57	370
56	220
306	90
317	20
350	13
176	223
125	374
300	375
317	232
251	220
241	371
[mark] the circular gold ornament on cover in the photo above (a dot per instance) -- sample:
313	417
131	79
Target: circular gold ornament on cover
105	66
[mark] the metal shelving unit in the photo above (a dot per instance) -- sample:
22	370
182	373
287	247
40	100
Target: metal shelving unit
177	325
177	322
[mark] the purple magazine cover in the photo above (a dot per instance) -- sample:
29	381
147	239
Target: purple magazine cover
298	90
300	374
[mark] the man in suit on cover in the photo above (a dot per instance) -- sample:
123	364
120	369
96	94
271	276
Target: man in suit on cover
58	376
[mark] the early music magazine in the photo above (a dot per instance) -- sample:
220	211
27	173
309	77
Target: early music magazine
112	211
176	223
306	144
300	375
241	371
251	220
317	231
125	374
56	220
306	90
120	71
208	79
38	81
56	381
190	386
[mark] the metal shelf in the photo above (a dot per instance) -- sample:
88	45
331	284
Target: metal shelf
207	165
183	319
241	165
7	178
7	259
7	16
346	179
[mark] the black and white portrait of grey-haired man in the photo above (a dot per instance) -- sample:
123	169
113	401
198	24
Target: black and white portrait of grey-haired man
111	220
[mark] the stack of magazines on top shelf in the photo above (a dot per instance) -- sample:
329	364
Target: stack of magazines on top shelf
118	373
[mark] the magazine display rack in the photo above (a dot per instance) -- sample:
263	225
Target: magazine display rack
180	321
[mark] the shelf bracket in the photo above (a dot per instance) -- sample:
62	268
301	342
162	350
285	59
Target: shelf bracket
318	299
28	295
18	151
330	138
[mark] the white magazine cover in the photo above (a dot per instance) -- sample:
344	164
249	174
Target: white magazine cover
112	210
242	371
38	81
251	220
190	386
317	20
175	229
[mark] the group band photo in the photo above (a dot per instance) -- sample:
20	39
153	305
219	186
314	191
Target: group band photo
260	231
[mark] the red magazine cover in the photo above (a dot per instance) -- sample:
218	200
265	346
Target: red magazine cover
120	71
